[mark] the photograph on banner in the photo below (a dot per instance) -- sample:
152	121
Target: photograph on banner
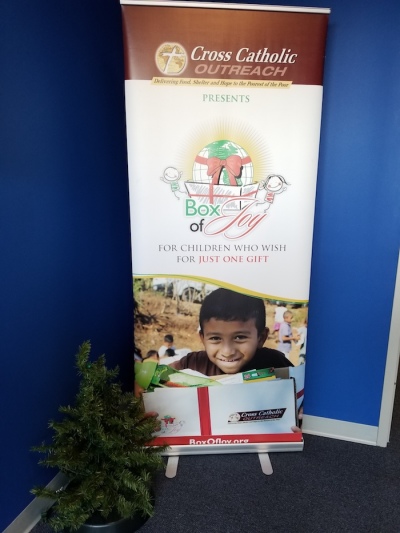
193	335
167	312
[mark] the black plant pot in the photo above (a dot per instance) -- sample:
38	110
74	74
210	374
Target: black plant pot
121	525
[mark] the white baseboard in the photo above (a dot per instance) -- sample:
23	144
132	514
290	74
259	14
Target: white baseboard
32	514
338	429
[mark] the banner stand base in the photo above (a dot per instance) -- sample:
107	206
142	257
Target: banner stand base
262	449
266	465
172	465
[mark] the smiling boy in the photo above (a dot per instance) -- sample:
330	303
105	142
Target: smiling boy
233	332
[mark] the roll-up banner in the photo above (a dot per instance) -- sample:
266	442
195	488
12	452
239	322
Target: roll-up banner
223	111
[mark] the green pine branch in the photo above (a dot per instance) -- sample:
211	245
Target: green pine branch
101	444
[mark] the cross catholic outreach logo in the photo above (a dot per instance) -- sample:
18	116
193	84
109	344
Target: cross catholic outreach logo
257	416
171	59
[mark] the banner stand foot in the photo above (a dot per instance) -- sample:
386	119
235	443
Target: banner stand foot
266	465
172	466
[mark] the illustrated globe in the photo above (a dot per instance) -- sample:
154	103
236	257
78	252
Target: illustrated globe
223	149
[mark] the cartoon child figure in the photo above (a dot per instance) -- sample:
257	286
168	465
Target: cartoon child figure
273	184
172	177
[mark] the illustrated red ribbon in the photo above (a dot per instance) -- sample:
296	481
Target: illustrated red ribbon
232	164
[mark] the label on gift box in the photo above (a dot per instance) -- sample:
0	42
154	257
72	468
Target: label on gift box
267	407
256	416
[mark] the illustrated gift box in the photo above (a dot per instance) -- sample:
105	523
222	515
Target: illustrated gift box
228	414
216	194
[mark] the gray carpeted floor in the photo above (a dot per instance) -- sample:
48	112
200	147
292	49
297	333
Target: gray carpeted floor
332	486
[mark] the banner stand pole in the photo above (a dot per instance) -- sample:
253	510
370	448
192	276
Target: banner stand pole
172	465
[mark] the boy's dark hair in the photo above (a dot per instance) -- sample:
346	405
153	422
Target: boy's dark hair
224	304
168	338
150	353
169	352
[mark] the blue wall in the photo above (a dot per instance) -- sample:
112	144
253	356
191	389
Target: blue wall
357	221
64	216
65	256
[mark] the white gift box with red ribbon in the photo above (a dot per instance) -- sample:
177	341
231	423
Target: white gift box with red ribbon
215	194
229	414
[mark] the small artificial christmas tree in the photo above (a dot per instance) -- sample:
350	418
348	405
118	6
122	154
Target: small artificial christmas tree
101	445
